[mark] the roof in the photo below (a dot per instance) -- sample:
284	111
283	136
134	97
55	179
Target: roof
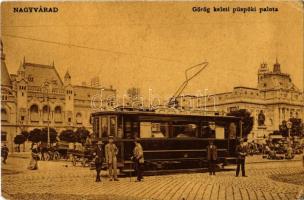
67	75
41	73
243	87
163	114
5	77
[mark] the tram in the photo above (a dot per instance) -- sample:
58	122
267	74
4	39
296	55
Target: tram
169	140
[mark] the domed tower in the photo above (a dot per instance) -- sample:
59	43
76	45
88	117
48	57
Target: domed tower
262	71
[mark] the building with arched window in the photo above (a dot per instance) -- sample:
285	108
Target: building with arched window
274	99
36	95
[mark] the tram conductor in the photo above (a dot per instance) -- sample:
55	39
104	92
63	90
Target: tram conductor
99	158
111	152
211	157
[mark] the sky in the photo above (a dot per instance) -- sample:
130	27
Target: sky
150	44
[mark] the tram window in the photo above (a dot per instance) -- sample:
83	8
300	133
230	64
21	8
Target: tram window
145	129
184	130
219	132
128	130
153	130
119	127
135	129
96	127
232	130
104	127
207	130
113	126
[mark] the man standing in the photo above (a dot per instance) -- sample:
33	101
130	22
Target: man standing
98	160
138	157
4	153
211	157
241	152
111	151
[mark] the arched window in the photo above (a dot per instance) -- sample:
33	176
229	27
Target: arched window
58	114
45	113
78	118
4	116
34	113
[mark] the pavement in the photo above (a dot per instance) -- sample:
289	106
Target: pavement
60	180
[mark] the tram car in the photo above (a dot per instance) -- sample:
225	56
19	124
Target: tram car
169	141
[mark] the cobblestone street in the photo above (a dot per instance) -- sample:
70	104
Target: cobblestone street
60	180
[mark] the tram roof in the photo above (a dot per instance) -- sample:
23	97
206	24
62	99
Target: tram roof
146	113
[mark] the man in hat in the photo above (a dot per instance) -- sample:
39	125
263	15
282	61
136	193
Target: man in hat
99	157
4	153
111	151
211	157
241	152
138	158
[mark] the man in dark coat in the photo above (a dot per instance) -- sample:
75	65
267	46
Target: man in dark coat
4	153
211	157
241	151
138	158
99	157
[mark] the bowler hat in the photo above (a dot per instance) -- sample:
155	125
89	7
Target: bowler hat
99	142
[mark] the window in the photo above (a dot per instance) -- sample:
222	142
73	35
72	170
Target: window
113	126
69	119
3	136
30	78
154	130
131	128
78	118
104	127
45	113
232	130
34	113
96	127
184	130
4	116
58	114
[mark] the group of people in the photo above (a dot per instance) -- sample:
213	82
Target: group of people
241	153
110	157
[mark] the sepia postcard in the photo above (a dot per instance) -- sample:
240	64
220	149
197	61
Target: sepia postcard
152	100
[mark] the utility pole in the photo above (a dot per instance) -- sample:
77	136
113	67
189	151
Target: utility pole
46	87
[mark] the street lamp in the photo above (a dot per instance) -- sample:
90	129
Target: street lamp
45	85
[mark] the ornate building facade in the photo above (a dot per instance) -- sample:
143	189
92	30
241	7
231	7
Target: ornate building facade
36	96
274	99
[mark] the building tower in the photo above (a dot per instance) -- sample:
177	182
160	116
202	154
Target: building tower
69	99
277	67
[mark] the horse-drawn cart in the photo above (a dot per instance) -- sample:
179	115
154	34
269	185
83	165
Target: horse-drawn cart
81	154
